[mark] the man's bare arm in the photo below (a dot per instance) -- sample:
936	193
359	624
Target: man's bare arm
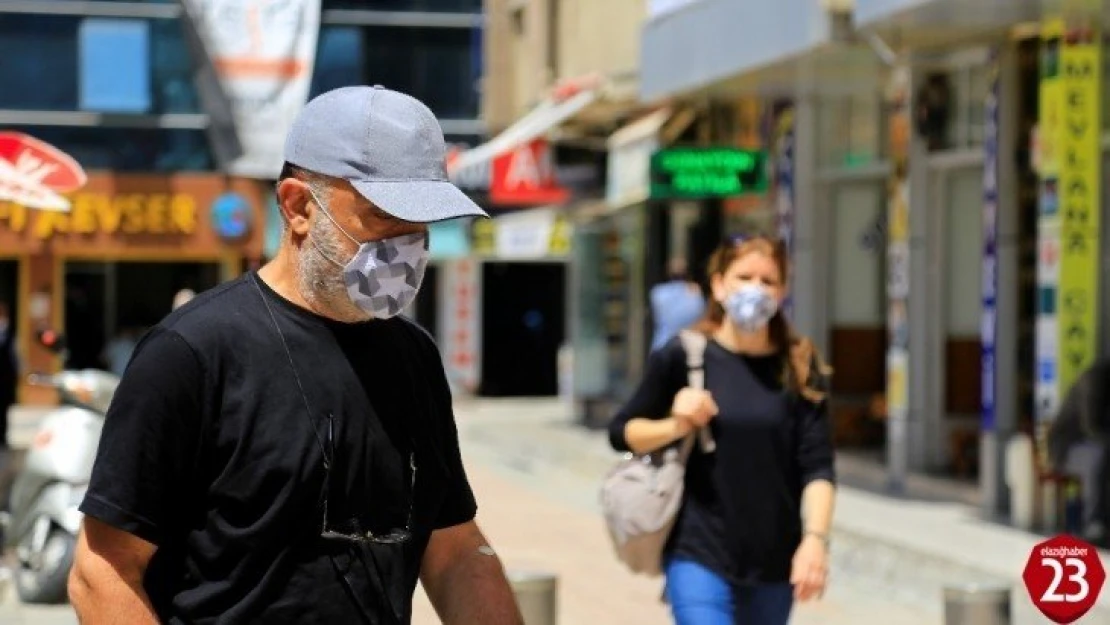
106	583
465	580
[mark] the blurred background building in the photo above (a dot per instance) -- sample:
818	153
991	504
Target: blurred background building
935	167
121	87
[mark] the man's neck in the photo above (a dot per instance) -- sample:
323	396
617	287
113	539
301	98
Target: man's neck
280	274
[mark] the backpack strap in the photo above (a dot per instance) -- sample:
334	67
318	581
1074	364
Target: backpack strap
693	343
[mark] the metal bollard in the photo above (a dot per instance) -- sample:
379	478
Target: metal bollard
537	595
977	604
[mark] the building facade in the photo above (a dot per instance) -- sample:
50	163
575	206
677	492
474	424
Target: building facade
117	86
954	288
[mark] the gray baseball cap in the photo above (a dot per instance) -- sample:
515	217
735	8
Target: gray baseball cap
388	145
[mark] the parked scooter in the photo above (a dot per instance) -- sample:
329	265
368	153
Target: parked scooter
43	521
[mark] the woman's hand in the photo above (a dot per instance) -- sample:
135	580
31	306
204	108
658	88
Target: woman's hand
694	406
810	568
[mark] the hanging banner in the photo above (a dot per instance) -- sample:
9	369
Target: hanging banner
898	276
988	333
782	159
1079	194
1049	128
461	343
262	53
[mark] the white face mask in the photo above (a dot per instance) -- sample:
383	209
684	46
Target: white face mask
750	307
383	277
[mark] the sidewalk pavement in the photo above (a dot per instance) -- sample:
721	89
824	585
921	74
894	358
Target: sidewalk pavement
533	530
909	548
536	475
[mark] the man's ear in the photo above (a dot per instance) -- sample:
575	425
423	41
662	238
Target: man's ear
293	198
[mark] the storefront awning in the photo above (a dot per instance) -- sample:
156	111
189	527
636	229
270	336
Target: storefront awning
682	50
646	127
549	114
940	22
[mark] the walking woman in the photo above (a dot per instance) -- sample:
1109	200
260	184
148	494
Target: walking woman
752	536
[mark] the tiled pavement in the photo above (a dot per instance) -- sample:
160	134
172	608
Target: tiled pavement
531	530
536	478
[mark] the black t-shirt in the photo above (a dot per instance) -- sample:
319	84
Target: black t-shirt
210	453
741	514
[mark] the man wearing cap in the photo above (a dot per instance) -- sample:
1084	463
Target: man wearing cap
283	449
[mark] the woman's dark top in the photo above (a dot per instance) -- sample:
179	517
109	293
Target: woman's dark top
742	513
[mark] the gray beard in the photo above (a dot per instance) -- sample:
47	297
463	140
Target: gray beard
320	281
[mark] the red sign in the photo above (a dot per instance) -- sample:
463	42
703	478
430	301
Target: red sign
1064	577
35	174
526	176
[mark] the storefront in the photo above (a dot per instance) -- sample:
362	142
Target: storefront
114	262
519	279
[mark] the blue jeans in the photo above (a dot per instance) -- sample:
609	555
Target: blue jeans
698	596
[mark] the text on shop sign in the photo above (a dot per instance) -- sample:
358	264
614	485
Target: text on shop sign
92	213
707	173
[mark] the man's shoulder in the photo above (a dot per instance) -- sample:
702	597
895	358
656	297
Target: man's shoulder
213	314
416	332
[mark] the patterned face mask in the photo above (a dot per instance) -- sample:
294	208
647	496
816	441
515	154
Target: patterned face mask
750	307
383	277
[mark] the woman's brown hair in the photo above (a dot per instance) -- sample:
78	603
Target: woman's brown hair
799	352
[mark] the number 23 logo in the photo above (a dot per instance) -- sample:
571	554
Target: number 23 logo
1052	594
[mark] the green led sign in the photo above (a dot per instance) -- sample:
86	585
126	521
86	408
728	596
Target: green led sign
698	173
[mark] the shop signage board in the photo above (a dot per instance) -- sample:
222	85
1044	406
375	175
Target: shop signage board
142	215
105	213
35	174
1080	149
704	173
528	234
525	176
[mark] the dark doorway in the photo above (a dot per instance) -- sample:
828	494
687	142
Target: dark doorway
9	290
426	307
102	300
523	325
144	291
85	314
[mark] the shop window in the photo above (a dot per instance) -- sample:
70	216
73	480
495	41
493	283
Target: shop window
851	130
129	149
964	244
339	59
45	51
38	55
171	66
437	66
956	90
434	65
115	65
969	88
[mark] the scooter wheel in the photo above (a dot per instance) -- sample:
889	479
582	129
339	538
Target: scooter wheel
45	580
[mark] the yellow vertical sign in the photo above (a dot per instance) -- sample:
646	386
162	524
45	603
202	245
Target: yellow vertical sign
1079	158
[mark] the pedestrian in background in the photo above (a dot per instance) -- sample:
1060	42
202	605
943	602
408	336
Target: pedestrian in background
676	304
283	449
182	297
9	371
752	534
